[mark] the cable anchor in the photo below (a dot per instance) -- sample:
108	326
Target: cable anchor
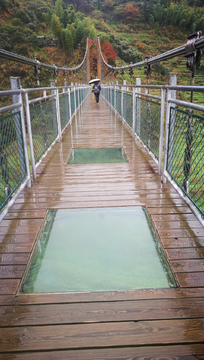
64	73
122	71
36	69
193	56
131	71
147	66
55	72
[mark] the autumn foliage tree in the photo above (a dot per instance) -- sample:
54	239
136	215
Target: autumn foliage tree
109	53
131	13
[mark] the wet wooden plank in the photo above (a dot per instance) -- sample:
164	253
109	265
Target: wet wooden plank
102	335
161	225
188	265
173	217
182	242
85	196
16	248
101	312
17	238
186	253
194	279
186	232
25	215
4	230
12	271
182	352
171	210
110	296
20	223
8	286
82	204
10	259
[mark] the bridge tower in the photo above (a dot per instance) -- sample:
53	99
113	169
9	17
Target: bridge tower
90	43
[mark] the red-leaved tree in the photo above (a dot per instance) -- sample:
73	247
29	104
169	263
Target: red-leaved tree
109	53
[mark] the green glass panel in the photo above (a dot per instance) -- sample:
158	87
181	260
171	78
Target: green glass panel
100	249
97	156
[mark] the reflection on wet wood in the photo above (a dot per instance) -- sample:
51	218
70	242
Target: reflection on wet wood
8	286
87	336
194	279
12	271
28	315
183	352
146	323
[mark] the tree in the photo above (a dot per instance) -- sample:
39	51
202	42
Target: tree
58	8
72	16
108	5
65	18
79	33
92	32
56	27
67	40
73	31
3	4
108	52
23	16
131	13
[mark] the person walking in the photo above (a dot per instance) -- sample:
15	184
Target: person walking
96	90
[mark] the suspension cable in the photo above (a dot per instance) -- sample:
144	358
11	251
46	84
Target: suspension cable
34	62
181	50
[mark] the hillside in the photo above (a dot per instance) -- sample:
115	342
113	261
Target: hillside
134	30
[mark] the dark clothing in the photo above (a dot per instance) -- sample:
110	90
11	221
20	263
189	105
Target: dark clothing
96	90
97	97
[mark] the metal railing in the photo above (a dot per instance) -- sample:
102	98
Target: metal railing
12	156
179	151
46	118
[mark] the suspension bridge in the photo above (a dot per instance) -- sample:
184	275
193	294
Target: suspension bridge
161	138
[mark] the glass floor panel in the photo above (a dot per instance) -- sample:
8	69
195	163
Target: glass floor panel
100	249
97	156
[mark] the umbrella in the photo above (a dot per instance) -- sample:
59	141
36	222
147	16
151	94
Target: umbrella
93	81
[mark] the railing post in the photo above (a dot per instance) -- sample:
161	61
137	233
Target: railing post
17	98
161	131
30	137
78	96
75	97
133	110
172	80
166	134
138	107
121	102
58	116
70	105
124	110
65	89
114	92
54	106
149	121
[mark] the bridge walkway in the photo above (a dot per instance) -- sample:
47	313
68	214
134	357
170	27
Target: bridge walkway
150	323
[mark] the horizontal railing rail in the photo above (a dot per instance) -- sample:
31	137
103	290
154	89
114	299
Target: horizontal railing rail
180	152
4	109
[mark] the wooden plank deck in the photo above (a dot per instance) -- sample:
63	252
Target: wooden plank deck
140	324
